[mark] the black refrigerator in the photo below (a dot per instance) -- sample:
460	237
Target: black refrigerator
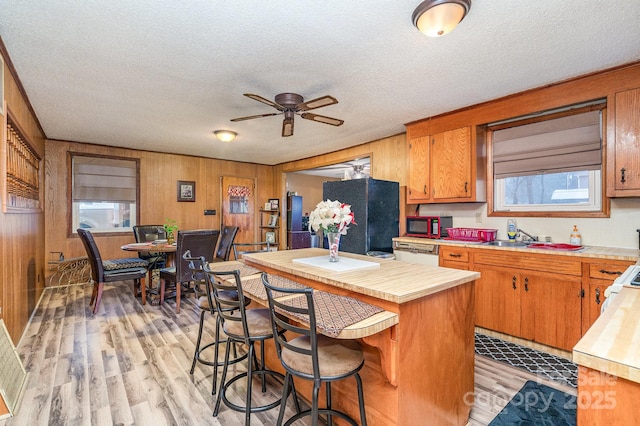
376	208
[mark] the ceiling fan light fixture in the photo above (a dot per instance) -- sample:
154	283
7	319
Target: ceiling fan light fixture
436	18
287	124
225	135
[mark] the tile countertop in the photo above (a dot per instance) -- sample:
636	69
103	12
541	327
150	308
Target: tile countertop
611	344
596	252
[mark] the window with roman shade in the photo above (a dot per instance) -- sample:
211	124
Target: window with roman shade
559	145
549	162
104	179
104	193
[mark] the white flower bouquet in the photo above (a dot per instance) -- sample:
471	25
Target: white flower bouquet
331	216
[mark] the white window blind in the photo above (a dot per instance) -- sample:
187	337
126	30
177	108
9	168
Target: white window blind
559	145
104	179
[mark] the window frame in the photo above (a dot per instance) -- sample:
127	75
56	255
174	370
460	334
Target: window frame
71	232
492	190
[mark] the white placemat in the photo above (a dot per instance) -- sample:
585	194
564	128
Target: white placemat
344	264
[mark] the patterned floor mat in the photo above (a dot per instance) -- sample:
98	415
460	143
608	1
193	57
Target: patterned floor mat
536	362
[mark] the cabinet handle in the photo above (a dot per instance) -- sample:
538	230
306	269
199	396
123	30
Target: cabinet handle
513	282
526	284
622	178
455	255
425	190
604	271
466	184
597	296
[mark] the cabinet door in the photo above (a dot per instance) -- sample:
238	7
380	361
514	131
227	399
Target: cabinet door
601	276
451	164
498	300
551	309
593	300
418	186
625	175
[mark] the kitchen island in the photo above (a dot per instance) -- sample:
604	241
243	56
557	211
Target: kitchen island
419	367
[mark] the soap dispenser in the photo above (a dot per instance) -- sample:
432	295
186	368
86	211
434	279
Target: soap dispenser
575	238
512	229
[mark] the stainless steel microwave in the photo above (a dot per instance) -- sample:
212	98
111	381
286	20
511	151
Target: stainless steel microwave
428	226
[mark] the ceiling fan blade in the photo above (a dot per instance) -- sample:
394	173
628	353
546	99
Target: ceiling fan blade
317	103
264	101
287	127
255	116
322	119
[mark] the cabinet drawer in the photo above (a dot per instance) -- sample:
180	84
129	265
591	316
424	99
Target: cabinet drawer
537	262
454	254
608	270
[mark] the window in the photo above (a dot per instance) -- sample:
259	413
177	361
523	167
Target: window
104	193
549	164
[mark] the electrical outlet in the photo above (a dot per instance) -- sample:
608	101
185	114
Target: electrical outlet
478	217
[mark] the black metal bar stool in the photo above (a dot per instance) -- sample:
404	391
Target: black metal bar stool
312	356
206	304
246	326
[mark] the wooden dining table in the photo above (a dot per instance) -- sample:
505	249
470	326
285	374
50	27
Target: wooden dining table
151	247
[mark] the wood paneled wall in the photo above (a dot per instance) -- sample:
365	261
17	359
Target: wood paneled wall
21	234
388	160
159	174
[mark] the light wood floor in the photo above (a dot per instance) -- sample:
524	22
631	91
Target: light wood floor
130	364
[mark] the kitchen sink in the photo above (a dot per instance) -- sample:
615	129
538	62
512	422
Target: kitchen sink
556	246
506	243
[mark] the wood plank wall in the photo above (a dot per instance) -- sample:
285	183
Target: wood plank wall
159	174
21	234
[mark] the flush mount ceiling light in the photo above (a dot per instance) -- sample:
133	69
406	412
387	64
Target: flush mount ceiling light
225	135
436	18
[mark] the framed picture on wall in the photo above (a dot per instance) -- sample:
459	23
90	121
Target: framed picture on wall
270	237
275	203
186	190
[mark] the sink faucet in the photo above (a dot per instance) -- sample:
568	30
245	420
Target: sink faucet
531	237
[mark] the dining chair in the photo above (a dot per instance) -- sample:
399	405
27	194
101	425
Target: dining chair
244	248
245	326
228	234
150	233
200	242
311	356
107	271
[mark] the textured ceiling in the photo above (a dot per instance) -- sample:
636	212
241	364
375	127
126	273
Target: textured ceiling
161	75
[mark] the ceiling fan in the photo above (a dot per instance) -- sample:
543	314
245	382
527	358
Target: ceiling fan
291	104
356	169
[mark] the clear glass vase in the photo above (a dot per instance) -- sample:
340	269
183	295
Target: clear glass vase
333	239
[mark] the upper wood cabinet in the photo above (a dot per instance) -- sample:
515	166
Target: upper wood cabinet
418	186
444	167
623	176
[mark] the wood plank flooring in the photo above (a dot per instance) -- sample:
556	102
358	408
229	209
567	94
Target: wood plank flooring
129	364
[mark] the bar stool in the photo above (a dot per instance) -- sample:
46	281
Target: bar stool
312	356
197	265
246	326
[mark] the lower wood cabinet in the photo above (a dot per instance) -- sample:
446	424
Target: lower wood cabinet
521	301
546	298
601	275
454	257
